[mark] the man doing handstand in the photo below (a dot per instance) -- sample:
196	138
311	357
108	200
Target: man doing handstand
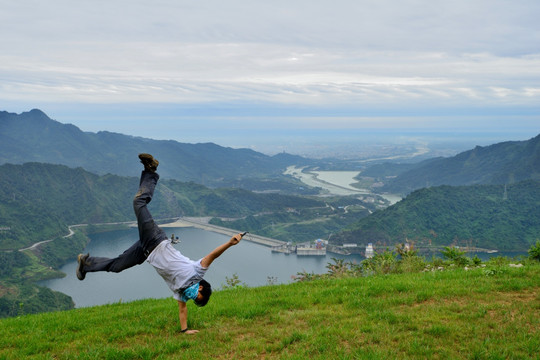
183	275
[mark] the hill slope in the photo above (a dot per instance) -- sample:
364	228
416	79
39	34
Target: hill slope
39	201
442	315
33	137
502	163
477	215
42	199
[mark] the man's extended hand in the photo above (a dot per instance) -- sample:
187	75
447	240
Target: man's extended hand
209	259
236	239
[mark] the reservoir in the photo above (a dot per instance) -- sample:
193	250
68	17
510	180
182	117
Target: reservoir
253	264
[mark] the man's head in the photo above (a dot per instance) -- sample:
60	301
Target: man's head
205	290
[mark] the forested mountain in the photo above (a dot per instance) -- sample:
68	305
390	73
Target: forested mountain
502	163
33	137
487	216
38	201
42	199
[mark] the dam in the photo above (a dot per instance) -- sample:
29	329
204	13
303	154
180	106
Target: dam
202	223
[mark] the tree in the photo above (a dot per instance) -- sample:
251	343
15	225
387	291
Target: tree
534	251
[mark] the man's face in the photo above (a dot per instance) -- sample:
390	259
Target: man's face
199	295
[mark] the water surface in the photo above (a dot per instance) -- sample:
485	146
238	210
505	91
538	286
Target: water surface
254	264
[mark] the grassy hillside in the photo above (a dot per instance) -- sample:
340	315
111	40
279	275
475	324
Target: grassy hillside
483	313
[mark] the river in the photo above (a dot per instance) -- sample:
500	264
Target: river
335	182
255	265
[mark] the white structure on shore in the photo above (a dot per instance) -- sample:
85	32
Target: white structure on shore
317	248
369	251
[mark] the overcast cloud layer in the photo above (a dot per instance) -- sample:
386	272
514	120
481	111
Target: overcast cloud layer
325	64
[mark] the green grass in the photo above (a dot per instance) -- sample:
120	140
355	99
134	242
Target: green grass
453	314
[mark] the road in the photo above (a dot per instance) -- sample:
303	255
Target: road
71	232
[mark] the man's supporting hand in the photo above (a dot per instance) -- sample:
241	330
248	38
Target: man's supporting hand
182	313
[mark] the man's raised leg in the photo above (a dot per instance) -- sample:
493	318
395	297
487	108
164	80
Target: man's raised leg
129	258
149	233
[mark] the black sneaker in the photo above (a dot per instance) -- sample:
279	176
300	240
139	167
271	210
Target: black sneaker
81	259
150	164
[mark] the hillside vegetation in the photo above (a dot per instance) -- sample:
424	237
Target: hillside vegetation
490	312
485	216
303	225
38	201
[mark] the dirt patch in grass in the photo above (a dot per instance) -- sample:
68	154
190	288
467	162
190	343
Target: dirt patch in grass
501	308
501	298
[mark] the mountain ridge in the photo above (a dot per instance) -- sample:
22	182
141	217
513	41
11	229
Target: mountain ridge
34	137
501	163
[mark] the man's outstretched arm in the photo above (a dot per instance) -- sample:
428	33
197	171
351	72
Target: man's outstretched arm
208	259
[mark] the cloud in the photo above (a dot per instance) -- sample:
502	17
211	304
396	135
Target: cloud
345	56
195	73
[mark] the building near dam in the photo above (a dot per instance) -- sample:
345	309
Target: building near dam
315	248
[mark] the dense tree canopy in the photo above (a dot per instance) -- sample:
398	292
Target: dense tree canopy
487	216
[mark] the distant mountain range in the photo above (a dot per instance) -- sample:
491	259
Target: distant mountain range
34	137
502	163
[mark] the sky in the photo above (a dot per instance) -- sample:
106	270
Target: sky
276	74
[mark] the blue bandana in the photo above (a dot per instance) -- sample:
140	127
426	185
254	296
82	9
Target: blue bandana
190	293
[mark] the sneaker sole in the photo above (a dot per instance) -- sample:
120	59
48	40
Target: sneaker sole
149	160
